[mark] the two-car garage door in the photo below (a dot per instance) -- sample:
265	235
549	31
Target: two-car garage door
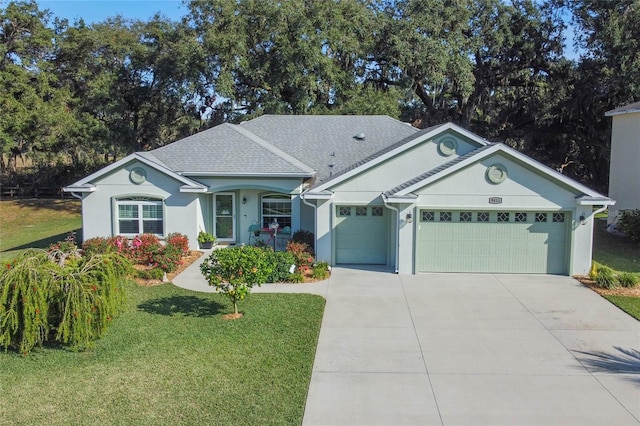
492	241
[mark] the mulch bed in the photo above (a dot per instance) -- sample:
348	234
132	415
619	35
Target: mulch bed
186	262
617	291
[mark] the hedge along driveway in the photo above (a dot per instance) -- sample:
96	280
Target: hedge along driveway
172	359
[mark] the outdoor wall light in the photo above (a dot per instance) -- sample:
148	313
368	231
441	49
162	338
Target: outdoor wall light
244	199
583	220
409	218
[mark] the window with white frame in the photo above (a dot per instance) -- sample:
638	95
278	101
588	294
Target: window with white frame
276	207
139	215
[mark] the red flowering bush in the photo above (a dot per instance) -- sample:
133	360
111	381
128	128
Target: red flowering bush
179	241
302	256
98	245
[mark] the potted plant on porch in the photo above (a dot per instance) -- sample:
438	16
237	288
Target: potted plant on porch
206	240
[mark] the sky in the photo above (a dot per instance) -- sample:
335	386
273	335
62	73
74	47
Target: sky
99	10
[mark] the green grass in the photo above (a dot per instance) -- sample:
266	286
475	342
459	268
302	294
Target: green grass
172	359
630	305
36	223
614	251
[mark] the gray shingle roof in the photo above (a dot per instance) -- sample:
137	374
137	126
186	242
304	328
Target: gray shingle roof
227	149
436	170
634	107
321	140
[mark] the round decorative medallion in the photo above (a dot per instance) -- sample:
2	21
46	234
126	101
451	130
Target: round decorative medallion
497	173
138	175
447	146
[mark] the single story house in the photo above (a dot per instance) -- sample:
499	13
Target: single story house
624	173
372	189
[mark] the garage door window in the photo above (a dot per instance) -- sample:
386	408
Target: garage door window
482	217
541	217
465	216
428	216
503	217
521	217
361	211
558	217
445	216
377	212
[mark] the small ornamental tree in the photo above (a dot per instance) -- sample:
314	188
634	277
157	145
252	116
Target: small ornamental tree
234	271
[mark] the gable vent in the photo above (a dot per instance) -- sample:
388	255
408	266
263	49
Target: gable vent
359	136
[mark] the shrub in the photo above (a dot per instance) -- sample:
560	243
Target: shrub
296	277
168	258
121	245
281	262
605	278
234	271
303	258
304	237
150	274
97	245
320	271
71	303
630	224
62	250
145	249
178	241
627	279
25	284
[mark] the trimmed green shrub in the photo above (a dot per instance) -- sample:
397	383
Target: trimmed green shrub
630	224
234	271
281	262
627	279
606	278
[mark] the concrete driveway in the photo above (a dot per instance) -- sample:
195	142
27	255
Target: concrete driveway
462	349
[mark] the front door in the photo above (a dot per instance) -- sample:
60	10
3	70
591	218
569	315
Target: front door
224	221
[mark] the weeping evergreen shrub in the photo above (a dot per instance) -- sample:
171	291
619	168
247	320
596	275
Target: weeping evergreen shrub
72	304
24	300
87	296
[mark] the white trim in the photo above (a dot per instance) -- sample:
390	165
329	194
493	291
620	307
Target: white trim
153	201
247	174
79	188
404	147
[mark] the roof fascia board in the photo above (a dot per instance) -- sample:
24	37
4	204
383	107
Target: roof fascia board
408	145
79	188
595	201
242	174
628	111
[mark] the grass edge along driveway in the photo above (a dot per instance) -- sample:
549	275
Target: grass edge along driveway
172	359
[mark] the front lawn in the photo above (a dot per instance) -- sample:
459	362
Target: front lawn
630	305
620	254
614	251
36	223
172	359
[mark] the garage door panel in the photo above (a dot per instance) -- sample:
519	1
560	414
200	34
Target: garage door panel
361	234
528	246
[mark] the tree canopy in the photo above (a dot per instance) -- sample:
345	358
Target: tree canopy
76	96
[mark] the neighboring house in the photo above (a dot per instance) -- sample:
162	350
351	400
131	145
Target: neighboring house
624	170
373	190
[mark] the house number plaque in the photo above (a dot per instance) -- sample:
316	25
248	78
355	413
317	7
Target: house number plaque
495	200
